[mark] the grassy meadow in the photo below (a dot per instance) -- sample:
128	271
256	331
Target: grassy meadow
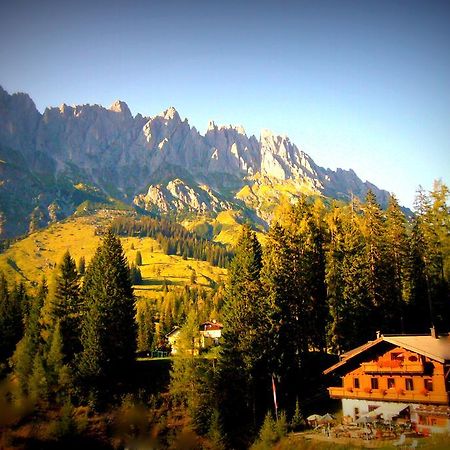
39	253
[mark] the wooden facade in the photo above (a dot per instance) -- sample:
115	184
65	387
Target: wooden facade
409	371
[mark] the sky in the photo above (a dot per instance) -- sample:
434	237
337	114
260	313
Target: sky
355	84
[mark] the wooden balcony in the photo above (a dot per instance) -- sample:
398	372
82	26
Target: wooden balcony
391	395
393	367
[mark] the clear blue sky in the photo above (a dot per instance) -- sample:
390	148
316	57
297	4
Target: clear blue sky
355	84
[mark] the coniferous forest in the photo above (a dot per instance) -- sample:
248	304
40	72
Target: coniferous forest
78	363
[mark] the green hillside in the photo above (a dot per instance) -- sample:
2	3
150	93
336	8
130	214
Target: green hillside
38	254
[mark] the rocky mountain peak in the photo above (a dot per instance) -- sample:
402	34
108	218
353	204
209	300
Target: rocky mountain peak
120	107
122	156
170	114
211	126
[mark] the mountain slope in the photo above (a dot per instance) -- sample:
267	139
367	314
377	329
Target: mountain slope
157	163
39	253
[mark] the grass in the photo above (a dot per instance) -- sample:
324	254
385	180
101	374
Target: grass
39	253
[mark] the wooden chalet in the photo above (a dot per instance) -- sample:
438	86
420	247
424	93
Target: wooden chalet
400	376
210	333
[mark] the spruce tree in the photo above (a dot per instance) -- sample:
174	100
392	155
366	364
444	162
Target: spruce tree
381	281
293	275
81	266
11	325
138	259
397	254
31	343
346	275
108	335
243	382
66	306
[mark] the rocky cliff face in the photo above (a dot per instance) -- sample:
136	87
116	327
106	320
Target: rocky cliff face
51	162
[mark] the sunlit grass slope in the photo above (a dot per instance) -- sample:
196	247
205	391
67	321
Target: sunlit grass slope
39	253
226	226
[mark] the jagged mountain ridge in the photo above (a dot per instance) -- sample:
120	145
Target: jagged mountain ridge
51	162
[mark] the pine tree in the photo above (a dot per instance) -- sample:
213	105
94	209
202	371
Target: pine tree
243	364
138	260
191	377
419	318
54	357
397	254
146	329
293	275
346	274
66	306
381	281
81	266
432	235
31	342
38	383
108	334
11	325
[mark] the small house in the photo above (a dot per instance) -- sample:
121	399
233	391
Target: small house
210	333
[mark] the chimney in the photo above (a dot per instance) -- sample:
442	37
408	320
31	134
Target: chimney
434	332
378	334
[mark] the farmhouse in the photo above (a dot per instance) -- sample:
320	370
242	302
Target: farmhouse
210	333
403	376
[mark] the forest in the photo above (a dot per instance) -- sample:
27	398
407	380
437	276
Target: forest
174	239
327	279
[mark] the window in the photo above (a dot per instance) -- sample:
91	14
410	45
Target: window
397	357
428	384
356	383
409	385
374	383
356	413
391	383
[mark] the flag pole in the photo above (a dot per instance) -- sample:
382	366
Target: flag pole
274	390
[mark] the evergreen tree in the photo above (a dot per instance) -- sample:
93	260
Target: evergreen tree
81	266
138	260
432	233
243	382
146	329
191	378
397	253
293	275
54	359
419	318
38	383
135	274
11	325
31	343
382	285
108	335
346	269
66	307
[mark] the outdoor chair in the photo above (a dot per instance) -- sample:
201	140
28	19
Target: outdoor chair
400	442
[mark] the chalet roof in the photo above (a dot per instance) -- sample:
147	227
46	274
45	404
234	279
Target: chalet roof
173	331
437	349
208	326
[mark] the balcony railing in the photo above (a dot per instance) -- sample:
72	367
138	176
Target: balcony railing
392	367
388	395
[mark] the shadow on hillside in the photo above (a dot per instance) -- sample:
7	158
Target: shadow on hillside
159	282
